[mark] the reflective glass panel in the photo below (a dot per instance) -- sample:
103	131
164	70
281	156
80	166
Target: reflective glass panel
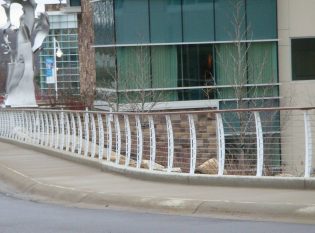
132	21
198	20
103	19
165	21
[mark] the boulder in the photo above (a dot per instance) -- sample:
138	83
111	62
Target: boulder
122	160
146	164
208	167
174	169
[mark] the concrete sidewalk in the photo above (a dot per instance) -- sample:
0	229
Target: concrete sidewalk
56	180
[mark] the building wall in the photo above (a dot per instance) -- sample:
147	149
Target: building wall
183	46
295	20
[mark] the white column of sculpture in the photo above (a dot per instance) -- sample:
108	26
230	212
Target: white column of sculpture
20	91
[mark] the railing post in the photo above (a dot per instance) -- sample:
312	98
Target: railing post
109	136
128	140
86	133
73	132
56	131
62	129
37	128
93	128
68	131
42	129
260	144
170	144
23	126
52	130
28	128
308	145
100	136
46	130
139	141
33	128
152	143
193	144
118	138
80	133
221	144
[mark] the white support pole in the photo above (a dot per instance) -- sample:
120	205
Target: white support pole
221	144
56	130
170	143
68	131
23	126
73	133
308	145
86	133
2	123
33	128
93	128
80	133
128	140
118	138
37	127
46	137
260	144
109	136
139	141
193	144
28	127
10	124
62	130
16	125
42	129
100	136
152	142
52	130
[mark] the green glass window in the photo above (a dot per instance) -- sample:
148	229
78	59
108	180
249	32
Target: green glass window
75	2
103	19
132	21
261	19
262	68
133	67
197	69
230	20
303	59
198	20
231	70
165	21
165	70
105	67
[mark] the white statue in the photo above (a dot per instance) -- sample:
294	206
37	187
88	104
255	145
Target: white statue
20	91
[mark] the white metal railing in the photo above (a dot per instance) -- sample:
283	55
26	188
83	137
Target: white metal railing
256	142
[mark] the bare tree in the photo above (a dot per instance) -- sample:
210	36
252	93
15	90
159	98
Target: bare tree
247	85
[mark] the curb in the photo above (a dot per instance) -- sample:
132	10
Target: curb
179	178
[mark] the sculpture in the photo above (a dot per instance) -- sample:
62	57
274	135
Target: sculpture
20	91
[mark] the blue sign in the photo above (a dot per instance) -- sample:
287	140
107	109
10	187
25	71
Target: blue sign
49	70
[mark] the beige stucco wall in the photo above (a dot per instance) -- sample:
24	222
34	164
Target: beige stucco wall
296	19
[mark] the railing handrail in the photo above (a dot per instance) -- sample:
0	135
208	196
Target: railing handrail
271	109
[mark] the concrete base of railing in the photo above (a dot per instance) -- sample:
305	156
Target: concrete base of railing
182	178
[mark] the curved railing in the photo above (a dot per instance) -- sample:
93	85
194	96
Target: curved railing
255	142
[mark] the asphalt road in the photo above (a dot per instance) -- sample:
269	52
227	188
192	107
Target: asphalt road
24	216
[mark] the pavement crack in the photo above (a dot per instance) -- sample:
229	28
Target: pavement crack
198	207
